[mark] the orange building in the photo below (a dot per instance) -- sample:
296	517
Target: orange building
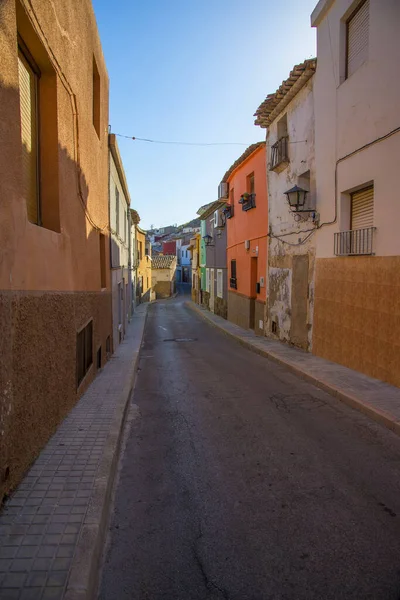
245	184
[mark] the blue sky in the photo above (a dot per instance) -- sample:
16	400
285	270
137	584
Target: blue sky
193	71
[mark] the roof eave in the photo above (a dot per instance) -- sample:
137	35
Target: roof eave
320	11
308	69
112	142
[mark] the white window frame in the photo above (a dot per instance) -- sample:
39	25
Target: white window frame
220	283
208	280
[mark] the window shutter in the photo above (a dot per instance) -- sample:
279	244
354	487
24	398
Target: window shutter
357	38
362	208
29	136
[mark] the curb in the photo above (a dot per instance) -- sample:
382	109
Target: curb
83	580
377	415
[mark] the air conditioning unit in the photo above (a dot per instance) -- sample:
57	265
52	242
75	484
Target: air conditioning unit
223	190
218	223
247	244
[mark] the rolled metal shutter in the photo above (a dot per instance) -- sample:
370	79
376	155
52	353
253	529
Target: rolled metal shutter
357	38
362	208
29	136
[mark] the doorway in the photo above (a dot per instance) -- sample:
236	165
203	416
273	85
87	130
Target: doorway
253	290
212	290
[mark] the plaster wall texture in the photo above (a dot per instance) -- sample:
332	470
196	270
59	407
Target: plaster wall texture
251	225
185	255
120	240
120	274
356	298
283	302
353	112
144	267
50	276
38	377
39	258
240	309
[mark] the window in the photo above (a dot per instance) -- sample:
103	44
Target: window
28	90
117	210
279	150
357	33
359	239
220	280
140	250
96	98
207	280
250	184
362	208
84	352
232	197
233	279
39	134
125	223
103	279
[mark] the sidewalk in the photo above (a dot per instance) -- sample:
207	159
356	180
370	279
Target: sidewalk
376	399
52	529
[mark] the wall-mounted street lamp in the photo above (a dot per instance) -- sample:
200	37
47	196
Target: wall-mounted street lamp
208	240
296	197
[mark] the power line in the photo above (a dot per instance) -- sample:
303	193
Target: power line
132	137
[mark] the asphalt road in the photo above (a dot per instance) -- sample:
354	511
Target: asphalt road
239	481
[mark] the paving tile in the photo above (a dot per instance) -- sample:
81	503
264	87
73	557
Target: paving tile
34	593
53	593
23	565
47	551
40	526
27	551
14	580
37	579
9	594
5	564
57	578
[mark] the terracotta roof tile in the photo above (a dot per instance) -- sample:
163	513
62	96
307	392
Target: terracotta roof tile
163	262
241	159
276	102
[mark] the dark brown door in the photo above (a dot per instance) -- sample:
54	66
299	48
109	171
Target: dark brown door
253	290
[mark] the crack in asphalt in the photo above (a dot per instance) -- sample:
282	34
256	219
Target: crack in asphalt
209	584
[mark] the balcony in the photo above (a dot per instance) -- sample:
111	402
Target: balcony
279	154
233	283
228	211
357	242
248	201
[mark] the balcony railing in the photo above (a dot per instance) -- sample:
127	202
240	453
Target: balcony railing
233	283
355	242
248	201
279	152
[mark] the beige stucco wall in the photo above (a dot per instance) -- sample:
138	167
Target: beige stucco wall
290	306
37	258
352	113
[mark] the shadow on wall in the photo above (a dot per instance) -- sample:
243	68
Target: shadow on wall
38	342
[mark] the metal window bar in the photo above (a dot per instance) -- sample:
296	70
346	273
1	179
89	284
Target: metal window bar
279	152
355	242
250	203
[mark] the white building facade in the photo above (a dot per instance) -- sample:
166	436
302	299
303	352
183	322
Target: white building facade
120	239
288	115
357	149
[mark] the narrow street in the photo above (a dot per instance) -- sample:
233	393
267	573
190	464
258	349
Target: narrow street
240	481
